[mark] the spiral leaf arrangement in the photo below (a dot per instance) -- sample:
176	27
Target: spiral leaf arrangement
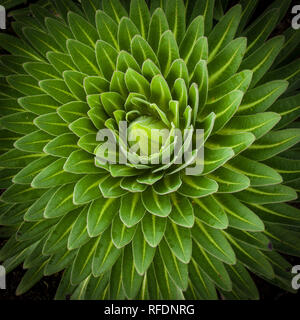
145	231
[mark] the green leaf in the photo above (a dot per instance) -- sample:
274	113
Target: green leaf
130	184
125	61
10	106
90	8
255	239
177	270
142	51
283	239
137	83
82	30
121	235
227	62
107	58
131	209
59	261
211	266
74	81
112	101
18	47
201	81
209	211
242	280
268	194
201	282
82	265
140	16
178	70
107	28
290	72
83	57
62	146
158	25
287	168
61	62
150	70
197	187
95	85
64	6
153	228
26	175
288	109
100	215
167	288
14	215
41	70
168	184
258	124
73	111
225	108
214	242
239	216
110	188
260	30
180	241
52	124
258	173
33	142
105	255
239	81
130	278
193	33
252	258
82	126
160	93
20	193
114	9
262	97
87	189
143	253
58	90
24	84
59	31
31	277
229	181
41	41
36	210
53	175
79	235
156	204
175	12
205	9
216	158
272	144
20	122
116	290
262	59
224	31
58	238
118	84
238	142
81	162
248	9
168	51
61	202
279	213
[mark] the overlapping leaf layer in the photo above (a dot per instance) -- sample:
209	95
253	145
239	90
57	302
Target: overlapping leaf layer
150	231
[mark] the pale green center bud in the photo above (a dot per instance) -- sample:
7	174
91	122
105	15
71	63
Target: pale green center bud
147	134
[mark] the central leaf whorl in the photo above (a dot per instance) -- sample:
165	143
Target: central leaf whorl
147	133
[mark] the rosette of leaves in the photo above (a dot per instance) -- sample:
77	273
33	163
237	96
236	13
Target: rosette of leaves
143	231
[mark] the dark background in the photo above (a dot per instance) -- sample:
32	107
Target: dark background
45	289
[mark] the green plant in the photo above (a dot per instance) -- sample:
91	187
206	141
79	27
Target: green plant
139	231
